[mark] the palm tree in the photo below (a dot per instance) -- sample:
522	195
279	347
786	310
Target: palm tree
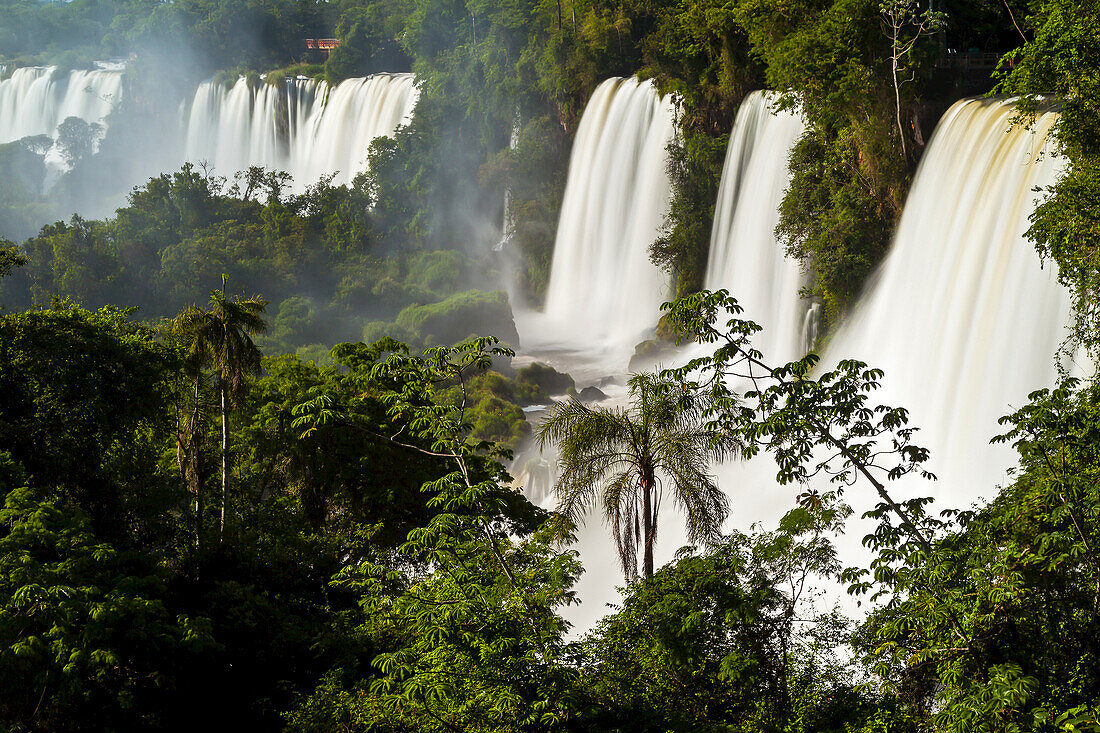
221	338
620	457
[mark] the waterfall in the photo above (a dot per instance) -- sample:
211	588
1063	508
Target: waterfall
961	316
745	257
604	294
303	127
34	100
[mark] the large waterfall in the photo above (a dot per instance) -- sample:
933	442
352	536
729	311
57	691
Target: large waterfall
961	316
301	126
745	257
604	293
35	100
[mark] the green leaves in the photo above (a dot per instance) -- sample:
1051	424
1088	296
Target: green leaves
812	425
616	457
1000	612
79	620
469	617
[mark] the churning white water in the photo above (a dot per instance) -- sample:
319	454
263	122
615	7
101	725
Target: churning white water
300	126
745	257
604	294
35	100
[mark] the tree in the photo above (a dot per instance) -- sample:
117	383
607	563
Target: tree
83	397
905	25
221	339
10	257
76	139
995	628
812	424
626	452
85	630
1060	63
466	613
727	639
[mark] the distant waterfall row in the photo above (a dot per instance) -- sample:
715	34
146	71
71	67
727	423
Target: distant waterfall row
303	127
300	126
36	100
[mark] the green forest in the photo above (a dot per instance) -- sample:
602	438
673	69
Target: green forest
254	444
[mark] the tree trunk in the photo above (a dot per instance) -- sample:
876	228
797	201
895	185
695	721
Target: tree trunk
225	464
187	459
897	100
193	461
649	521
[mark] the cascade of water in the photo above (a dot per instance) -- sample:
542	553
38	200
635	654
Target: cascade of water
604	293
35	100
961	316
305	128
745	257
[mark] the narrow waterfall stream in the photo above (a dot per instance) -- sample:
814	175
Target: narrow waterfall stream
745	257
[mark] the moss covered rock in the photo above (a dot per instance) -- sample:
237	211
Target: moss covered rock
470	313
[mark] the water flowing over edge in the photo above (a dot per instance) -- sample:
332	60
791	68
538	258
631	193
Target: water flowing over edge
962	316
302	126
604	293
35	100
745	256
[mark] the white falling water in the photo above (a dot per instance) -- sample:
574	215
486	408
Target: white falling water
35	100
745	257
961	316
303	127
604	294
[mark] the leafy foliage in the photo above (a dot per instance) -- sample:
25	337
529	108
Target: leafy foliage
619	458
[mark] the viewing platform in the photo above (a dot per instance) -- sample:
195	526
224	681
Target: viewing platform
324	45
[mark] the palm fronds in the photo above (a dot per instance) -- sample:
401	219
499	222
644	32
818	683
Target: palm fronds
617	457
